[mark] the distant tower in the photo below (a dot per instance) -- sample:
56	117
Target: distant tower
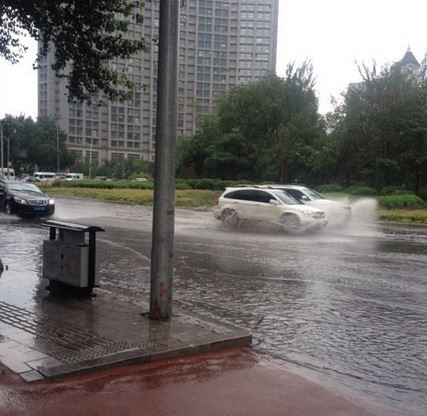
409	64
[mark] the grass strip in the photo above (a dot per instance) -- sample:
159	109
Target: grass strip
183	199
407	216
206	198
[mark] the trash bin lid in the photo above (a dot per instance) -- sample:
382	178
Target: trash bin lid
71	226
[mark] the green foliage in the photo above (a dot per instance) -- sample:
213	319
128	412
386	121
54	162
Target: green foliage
93	184
361	191
400	201
381	129
86	36
182	184
115	169
33	144
423	193
412	216
184	198
217	184
328	188
268	130
395	190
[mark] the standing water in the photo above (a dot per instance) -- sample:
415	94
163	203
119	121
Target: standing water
348	304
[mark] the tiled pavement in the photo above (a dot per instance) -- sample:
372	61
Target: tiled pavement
68	335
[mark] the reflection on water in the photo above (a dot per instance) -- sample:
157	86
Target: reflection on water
21	251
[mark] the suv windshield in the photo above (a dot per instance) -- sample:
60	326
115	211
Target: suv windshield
286	198
23	188
313	194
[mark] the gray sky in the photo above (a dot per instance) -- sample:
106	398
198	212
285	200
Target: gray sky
334	34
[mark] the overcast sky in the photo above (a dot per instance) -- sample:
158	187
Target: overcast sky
334	34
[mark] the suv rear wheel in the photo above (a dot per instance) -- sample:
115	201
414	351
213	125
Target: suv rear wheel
230	218
290	223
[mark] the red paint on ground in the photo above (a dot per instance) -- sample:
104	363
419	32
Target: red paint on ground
233	382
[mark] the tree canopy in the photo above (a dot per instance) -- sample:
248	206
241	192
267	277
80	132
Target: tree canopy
267	130
381	128
83	35
34	144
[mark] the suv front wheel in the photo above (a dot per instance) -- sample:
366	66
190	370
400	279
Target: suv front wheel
290	223
230	218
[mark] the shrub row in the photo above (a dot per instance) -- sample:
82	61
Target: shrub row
356	190
400	201
182	184
391	197
106	184
362	190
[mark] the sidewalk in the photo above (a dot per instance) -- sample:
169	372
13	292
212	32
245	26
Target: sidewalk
232	382
45	334
65	335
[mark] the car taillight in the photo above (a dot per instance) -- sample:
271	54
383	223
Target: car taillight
217	199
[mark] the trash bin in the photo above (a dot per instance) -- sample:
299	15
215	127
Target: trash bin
69	258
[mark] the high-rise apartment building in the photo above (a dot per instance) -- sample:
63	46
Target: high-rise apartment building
222	43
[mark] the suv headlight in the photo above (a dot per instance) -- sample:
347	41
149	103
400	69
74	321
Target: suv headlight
51	201
309	213
20	200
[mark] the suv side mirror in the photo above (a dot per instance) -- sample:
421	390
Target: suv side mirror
274	202
304	198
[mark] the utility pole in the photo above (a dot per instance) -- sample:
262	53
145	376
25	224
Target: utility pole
90	159
57	147
8	153
1	148
162	251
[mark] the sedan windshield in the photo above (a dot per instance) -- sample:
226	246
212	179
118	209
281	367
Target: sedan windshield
313	194
286	198
25	188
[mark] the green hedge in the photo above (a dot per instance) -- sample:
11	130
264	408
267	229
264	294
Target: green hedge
400	201
329	188
106	184
212	184
391	197
182	184
361	191
395	190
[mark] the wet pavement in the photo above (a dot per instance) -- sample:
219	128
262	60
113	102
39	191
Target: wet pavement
45	334
347	305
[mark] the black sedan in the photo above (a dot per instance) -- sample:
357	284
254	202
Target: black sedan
24	199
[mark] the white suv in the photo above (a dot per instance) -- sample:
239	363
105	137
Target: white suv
270	205
336	211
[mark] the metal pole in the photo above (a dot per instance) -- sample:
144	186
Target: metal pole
162	252
8	163
90	159
1	145
57	147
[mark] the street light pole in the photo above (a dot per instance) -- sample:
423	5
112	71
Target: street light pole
57	147
90	159
162	251
1	146
8	153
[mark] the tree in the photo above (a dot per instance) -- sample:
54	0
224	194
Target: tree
381	128
118	169
84	35
267	130
34	144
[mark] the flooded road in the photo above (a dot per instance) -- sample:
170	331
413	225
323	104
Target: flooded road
349	305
